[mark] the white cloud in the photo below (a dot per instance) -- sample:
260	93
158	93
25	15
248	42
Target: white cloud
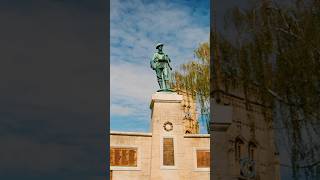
135	28
132	81
143	25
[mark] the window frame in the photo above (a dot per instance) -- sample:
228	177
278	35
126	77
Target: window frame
238	149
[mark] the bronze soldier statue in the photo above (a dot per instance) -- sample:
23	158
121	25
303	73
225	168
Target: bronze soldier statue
161	64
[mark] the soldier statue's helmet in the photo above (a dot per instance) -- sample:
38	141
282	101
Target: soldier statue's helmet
159	44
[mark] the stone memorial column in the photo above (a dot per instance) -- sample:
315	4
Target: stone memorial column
167	136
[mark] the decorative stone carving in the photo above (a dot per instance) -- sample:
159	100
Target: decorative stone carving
168	126
247	168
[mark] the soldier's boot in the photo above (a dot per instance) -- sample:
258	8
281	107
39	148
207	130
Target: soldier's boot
160	83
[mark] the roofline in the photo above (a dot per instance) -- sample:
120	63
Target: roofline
130	133
197	135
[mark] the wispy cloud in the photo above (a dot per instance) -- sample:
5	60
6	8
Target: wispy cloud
130	80
136	26
120	110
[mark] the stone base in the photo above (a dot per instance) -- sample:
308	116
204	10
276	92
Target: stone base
172	97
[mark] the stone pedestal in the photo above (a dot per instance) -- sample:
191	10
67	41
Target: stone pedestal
166	115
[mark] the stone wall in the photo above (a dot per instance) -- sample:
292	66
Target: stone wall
141	141
186	164
237	119
192	143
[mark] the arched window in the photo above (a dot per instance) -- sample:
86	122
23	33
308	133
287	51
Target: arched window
251	150
238	148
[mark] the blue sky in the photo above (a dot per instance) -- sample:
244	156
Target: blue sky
135	28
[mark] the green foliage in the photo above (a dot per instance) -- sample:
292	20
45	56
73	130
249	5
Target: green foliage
194	77
276	49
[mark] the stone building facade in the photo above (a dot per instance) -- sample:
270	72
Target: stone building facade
172	150
243	145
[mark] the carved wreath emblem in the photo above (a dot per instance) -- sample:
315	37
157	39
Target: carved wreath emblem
168	126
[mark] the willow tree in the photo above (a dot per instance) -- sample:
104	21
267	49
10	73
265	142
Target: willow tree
194	77
275	48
